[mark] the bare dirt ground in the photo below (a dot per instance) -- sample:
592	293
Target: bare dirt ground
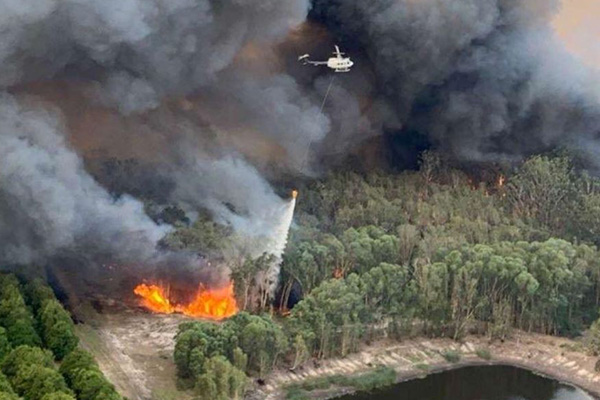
135	352
551	356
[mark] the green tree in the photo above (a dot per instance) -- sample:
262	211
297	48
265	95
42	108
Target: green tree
5	346
221	381
5	386
25	356
58	396
197	341
37	293
61	339
263	341
77	360
543	191
88	383
34	381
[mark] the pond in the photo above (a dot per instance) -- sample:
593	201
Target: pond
477	383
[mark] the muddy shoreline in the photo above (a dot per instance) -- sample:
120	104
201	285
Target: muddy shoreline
592	391
555	358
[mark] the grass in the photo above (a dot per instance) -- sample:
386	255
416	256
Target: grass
484	354
380	377
452	356
423	367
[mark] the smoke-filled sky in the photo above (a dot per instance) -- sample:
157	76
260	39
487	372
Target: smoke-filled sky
577	25
207	100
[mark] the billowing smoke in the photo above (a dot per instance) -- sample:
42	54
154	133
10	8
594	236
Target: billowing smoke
482	79
49	203
207	96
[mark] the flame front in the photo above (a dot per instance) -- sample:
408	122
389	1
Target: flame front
154	298
213	304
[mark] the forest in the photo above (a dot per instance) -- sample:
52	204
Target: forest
39	354
437	252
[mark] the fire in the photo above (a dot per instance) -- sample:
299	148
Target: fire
154	298
294	194
213	304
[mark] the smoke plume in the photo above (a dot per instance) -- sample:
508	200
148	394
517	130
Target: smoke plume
207	98
483	80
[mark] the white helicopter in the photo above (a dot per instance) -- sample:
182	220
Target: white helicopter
337	63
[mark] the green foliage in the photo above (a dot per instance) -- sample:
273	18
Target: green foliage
428	253
8	396
197	341
261	339
74	361
251	343
61	339
37	292
29	369
452	356
34	381
330	319
83	375
423	367
220	380
58	396
592	337
14	314
380	377
57	328
23	356
484	354
5	346
5	386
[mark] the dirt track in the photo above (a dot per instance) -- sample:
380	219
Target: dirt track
135	351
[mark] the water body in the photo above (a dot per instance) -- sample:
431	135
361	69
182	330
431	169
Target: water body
478	383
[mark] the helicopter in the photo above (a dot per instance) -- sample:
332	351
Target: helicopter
337	63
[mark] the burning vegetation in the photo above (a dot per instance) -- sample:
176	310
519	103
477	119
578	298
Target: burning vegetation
215	304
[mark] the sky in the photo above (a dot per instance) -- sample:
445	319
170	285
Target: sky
578	26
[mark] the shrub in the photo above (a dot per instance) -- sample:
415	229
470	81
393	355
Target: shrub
423	367
452	356
484	354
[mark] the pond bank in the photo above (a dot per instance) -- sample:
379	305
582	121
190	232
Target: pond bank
557	358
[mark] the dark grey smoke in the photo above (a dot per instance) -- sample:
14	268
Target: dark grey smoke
482	79
205	93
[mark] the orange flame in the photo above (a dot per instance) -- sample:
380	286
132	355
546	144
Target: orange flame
215	304
294	194
154	298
